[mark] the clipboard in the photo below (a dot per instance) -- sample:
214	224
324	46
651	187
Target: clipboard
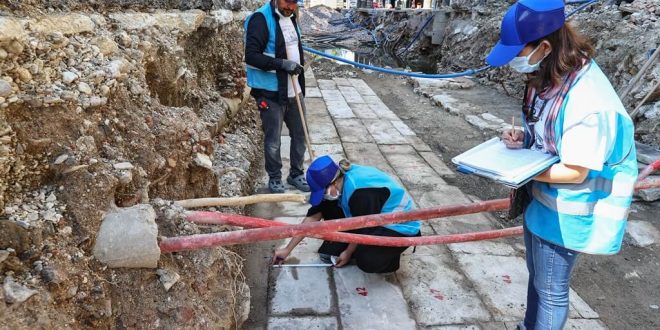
510	167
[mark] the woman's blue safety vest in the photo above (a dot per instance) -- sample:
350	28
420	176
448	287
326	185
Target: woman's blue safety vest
359	177
590	217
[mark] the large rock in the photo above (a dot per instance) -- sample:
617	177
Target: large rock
185	22
67	24
16	293
128	238
646	154
11	28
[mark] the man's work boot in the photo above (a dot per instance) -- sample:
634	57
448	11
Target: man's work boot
276	186
299	182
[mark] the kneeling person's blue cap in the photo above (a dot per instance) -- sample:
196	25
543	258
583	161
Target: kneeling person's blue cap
320	174
524	22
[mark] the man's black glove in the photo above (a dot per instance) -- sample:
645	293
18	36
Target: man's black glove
291	67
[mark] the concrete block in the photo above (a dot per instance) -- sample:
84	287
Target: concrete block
351	94
402	128
437	294
308	322
384	132
437	164
363	111
127	238
362	87
300	291
312	92
325	84
646	154
341	82
339	109
370	301
501	281
322	130
579	306
352	130
642	233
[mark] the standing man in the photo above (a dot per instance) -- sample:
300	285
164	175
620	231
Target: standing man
273	52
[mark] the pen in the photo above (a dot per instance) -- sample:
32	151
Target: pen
513	124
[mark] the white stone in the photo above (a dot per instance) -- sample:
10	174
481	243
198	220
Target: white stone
306	322
492	118
5	88
370	301
431	84
645	153
128	238
106	45
4	254
203	160
116	67
16	293
123	166
168	278
222	16
649	195
67	24
448	103
61	159
479	123
301	290
83	87
642	233
186	22
11	29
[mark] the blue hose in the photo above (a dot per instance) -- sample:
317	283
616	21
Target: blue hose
396	72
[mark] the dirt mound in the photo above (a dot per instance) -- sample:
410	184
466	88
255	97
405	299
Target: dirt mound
99	109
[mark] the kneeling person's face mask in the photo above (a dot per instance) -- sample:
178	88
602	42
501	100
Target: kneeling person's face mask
329	196
521	63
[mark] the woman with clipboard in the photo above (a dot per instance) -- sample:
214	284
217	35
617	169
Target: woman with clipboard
579	205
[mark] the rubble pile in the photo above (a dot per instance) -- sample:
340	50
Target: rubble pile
102	110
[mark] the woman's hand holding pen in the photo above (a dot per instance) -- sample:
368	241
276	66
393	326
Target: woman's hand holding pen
513	139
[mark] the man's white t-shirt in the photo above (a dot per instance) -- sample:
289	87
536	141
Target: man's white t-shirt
292	51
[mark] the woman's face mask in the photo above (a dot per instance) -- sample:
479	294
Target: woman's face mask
521	63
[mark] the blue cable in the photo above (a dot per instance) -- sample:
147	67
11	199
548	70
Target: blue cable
582	6
419	33
468	72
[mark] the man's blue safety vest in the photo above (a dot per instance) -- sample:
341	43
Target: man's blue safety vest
257	78
359	177
590	217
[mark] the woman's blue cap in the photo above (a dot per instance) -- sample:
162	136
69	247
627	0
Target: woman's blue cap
524	22
320	174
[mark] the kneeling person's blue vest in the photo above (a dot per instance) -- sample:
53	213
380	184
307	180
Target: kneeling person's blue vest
257	78
360	177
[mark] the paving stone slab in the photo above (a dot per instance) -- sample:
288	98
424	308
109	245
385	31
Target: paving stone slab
370	301
411	168
339	109
300	291
315	107
363	111
311	82
418	144
483	326
351	94
325	84
362	87
437	164
342	82
378	107
580	307
483	247
332	95
437	294
312	92
402	128
501	281
336	151
582	324
384	132
322	130
352	130
368	154
310	323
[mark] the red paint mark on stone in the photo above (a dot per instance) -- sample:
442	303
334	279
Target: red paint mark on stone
362	291
437	294
507	279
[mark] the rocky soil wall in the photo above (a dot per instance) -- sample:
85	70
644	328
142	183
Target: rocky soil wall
108	104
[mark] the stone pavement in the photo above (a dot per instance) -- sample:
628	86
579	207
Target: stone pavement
478	285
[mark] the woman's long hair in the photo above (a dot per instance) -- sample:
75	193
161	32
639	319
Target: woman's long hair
570	51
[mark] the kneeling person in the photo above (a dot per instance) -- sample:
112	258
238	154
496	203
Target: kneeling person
347	190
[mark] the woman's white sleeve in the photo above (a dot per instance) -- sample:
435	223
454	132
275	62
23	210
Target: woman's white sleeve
588	142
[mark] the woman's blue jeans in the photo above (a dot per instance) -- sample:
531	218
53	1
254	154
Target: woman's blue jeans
550	268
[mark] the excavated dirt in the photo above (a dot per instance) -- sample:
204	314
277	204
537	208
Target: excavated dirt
104	108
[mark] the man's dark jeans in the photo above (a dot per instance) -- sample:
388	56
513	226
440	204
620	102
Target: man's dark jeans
272	117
